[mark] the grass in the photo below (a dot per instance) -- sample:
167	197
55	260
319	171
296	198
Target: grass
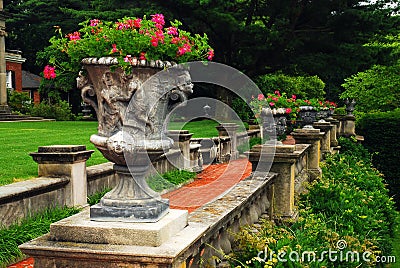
200	129
396	244
18	139
13	236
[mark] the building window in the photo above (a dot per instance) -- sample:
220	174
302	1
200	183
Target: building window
10	80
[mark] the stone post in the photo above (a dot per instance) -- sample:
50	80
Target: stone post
334	132
311	136
325	127
66	161
182	141
284	164
3	87
230	129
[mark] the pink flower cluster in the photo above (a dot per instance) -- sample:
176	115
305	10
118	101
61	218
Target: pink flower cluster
129	24
158	19
133	60
49	72
74	36
94	22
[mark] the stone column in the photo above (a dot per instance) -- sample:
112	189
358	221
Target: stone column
325	127
283	163
230	129
3	87
334	132
311	136
182	141
66	161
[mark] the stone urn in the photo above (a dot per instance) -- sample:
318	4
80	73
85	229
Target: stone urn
276	127
308	115
322	114
131	109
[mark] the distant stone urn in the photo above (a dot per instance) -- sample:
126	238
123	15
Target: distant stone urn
131	109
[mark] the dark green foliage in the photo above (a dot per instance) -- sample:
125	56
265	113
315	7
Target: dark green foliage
60	111
350	202
247	146
95	198
380	131
27	229
324	38
242	109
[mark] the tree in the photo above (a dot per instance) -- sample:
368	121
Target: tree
304	87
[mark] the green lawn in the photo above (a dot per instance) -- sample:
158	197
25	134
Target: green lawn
18	139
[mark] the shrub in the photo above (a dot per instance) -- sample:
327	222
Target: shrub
349	203
20	102
60	111
302	86
380	131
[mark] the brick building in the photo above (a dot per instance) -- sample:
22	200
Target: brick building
19	80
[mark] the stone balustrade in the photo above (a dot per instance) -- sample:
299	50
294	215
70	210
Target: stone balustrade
207	234
280	172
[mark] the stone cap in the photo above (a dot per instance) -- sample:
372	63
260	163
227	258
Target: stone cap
180	135
225	128
61	148
280	153
61	154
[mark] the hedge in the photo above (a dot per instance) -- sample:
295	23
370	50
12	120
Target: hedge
380	131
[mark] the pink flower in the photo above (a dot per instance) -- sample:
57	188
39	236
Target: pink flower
172	30
74	36
160	35
271	104
210	54
142	56
294	97
94	22
137	23
114	48
175	40
288	110
154	41
185	48
49	72
159	20
260	97
277	93
274	98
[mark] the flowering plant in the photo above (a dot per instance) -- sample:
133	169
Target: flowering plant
129	40
278	102
318	105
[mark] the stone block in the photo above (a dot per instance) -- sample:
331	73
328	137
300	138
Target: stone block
80	229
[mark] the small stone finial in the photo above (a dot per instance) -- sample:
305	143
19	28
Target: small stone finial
350	106
206	109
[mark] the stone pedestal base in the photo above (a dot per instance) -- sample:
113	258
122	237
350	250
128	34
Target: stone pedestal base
146	211
80	229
